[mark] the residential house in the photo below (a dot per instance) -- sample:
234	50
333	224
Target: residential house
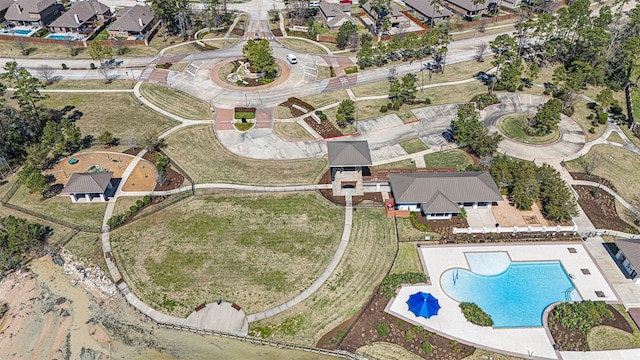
33	12
426	10
347	161
629	256
132	21
81	18
4	5
88	187
441	195
396	17
467	8
334	15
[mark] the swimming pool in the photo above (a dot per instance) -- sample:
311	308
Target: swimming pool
515	297
21	32
61	37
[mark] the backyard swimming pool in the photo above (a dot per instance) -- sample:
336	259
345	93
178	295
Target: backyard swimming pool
515	296
61	37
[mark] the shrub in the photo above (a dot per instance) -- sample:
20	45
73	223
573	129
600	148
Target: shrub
323	117
133	208
547	91
520	87
590	117
318	112
92	66
139	204
616	109
382	329
397	104
475	315
389	105
391	282
582	315
592	130
426	347
64	66
417	224
116	220
463	214
244	115
568	111
427	101
484	100
147	199
602	117
383	109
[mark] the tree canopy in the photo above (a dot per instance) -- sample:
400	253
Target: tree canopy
260	55
19	238
470	132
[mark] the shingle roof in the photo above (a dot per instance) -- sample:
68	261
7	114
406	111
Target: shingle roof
129	18
339	19
4	4
439	203
457	187
22	8
631	250
85	10
349	153
425	8
87	183
395	9
333	9
469	5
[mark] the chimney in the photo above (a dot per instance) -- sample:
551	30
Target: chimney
75	16
141	22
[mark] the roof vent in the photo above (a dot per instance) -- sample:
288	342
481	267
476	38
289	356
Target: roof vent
140	21
75	16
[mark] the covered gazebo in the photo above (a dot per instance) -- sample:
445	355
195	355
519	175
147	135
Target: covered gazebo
88	187
347	160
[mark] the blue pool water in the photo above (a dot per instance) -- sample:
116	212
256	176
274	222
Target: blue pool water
60	37
21	32
515	297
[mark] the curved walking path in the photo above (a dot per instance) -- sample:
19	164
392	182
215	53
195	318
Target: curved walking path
610	191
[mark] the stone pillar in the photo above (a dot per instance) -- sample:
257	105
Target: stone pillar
73	198
87	197
102	197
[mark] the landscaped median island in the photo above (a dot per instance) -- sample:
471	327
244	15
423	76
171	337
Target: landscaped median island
255	250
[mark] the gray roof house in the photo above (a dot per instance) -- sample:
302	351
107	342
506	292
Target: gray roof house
427	10
33	12
132	21
87	187
629	255
467	7
334	15
396	17
81	17
439	195
349	153
4	5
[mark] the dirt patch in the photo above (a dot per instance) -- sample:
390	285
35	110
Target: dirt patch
237	31
594	178
173	180
506	214
600	207
324	129
276	32
574	340
402	333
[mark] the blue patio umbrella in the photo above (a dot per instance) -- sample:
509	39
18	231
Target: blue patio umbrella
423	304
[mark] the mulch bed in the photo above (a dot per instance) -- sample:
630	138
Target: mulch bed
324	129
600	209
174	179
276	32
443	227
295	110
402	333
575	340
132	151
599	180
237	31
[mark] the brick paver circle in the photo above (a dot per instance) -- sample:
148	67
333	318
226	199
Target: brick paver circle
284	76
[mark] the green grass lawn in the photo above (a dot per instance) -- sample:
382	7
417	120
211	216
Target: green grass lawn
514	126
580	114
368	257
255	250
406	163
39	51
635	101
324	99
620	166
177	102
455	157
90	84
282	112
324	72
61	207
407	259
302	45
406	231
291	131
413	146
120	113
198	152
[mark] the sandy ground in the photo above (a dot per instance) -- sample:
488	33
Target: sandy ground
143	177
54	314
509	215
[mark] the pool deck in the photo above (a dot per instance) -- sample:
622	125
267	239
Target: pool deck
533	342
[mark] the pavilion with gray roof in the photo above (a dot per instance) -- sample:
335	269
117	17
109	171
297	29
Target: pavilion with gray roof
629	256
440	195
88	187
347	160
